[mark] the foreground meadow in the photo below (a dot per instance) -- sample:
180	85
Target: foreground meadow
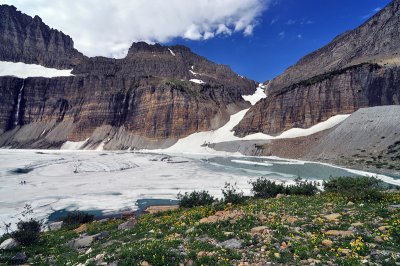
324	229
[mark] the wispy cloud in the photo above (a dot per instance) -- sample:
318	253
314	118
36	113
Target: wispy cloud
108	27
290	22
274	21
281	35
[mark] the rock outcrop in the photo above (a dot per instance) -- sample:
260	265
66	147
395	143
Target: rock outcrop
149	99
29	40
359	68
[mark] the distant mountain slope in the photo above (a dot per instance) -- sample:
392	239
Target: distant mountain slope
149	99
359	68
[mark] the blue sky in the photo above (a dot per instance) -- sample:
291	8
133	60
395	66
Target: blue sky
287	31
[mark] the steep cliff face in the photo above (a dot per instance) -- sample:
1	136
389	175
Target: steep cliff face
149	99
29	40
357	69
152	108
309	102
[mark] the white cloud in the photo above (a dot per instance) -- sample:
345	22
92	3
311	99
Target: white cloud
222	29
108	27
248	30
282	35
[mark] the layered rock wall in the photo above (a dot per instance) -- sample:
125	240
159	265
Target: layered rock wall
311	101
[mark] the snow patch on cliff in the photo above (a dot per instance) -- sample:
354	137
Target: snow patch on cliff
193	73
172	53
198	81
257	96
22	70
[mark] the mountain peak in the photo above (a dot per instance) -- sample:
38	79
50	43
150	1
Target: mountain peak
30	40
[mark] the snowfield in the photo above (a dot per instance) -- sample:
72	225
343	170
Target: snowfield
22	70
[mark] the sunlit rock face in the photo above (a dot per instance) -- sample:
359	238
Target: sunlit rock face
359	68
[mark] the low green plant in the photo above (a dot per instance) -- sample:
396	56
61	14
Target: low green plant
76	218
232	195
355	188
302	188
195	198
264	188
28	232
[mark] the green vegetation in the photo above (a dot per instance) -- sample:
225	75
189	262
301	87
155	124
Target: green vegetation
323	229
264	188
232	195
76	218
356	189
195	198
28	232
183	86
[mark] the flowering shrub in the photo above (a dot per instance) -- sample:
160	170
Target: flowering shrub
195	198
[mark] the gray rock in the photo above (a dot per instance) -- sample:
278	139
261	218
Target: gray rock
19	258
82	242
9	244
101	235
55	226
127	225
231	244
393	207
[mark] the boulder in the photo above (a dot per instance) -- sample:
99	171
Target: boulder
19	258
9	244
327	243
339	233
357	224
333	216
82	228
231	244
128	224
220	216
82	242
259	230
292	220
55	226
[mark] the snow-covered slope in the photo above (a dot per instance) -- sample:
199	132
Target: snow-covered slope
22	70
197	142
